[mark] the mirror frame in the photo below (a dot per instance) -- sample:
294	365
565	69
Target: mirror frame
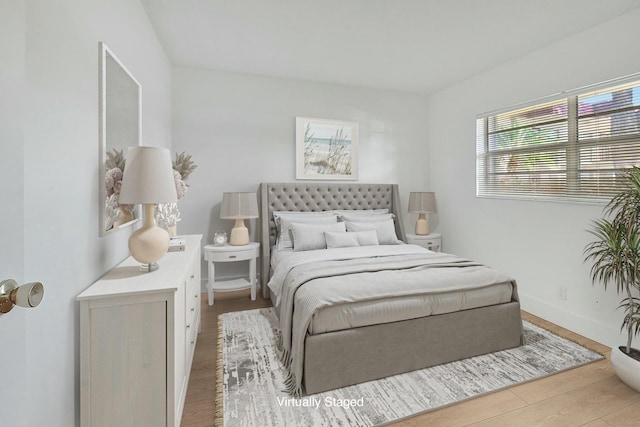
104	51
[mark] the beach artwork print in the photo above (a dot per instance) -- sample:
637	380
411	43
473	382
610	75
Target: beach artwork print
326	149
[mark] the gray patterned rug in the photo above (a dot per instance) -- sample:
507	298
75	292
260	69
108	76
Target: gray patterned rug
251	378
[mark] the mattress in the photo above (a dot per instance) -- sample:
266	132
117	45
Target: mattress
371	312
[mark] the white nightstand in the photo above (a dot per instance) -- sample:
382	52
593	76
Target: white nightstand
432	241
228	253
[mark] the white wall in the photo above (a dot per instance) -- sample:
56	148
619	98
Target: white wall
540	244
240	130
62	245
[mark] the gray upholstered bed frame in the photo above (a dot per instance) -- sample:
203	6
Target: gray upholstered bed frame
314	197
342	358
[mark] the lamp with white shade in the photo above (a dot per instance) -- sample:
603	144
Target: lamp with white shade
239	206
148	179
422	203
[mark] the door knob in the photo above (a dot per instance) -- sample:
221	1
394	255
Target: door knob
27	295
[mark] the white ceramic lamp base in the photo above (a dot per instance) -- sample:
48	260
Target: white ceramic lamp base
149	243
422	225
239	234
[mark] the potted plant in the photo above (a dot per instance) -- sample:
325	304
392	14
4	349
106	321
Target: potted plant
616	260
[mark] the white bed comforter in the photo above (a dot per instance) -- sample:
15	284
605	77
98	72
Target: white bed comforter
284	260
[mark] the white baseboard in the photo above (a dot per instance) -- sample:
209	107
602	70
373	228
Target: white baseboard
576	322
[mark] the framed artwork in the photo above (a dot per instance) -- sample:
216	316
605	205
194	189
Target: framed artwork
326	149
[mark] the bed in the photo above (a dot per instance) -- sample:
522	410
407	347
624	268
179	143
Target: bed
334	340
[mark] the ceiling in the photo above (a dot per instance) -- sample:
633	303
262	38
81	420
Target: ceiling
417	46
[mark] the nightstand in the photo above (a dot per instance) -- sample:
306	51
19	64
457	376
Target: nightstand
432	241
228	253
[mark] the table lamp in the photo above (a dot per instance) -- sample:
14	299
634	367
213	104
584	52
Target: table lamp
148	179
239	206
422	203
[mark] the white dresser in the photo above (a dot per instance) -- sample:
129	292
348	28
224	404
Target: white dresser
137	336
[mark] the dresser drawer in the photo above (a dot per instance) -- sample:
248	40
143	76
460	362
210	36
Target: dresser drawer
191	315
192	305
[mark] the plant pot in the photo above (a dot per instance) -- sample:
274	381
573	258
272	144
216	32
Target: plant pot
627	368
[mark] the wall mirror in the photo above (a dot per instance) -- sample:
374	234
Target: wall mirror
120	128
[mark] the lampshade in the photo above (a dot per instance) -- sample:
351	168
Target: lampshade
422	202
148	177
239	206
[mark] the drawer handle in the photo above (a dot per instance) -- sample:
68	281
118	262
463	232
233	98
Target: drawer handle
193	309
188	326
192	342
232	256
193	276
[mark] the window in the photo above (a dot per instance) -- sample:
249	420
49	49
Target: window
576	147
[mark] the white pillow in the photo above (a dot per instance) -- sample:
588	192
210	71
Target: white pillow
341	240
279	214
307	237
367	238
366	217
284	230
360	211
385	230
297	214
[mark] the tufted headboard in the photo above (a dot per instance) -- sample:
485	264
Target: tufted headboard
313	197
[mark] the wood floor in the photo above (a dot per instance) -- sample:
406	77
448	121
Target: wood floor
590	396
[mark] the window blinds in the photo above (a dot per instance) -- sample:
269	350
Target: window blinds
573	148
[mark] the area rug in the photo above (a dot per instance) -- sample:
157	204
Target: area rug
251	379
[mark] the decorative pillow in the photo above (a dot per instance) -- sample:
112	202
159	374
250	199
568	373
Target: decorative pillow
277	215
360	211
280	214
284	229
341	240
385	230
307	237
367	238
367	217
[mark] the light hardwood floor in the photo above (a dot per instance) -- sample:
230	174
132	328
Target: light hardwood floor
590	396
